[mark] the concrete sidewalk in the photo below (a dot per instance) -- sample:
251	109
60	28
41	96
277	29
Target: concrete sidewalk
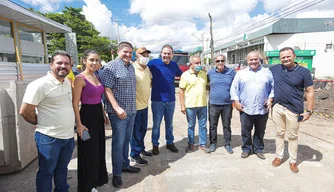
218	171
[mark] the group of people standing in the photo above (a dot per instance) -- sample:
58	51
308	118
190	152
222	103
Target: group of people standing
256	91
53	104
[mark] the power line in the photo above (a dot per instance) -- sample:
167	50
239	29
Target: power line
272	18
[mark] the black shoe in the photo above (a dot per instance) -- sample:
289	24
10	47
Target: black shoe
146	153
260	155
190	148
172	148
244	154
140	161
117	181
131	169
155	150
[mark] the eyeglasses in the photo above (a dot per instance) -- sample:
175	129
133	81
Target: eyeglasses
218	61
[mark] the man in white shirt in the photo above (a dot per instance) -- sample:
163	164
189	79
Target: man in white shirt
51	95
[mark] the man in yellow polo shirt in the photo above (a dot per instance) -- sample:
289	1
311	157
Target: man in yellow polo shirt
143	92
193	102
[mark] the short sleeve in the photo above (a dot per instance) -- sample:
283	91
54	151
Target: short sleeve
178	71
183	82
34	94
108	78
308	79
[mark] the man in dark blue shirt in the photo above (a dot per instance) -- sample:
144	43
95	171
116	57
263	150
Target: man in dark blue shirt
220	104
163	72
291	80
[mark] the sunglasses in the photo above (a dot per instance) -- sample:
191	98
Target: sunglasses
218	61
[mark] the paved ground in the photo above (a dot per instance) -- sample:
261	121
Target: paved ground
217	171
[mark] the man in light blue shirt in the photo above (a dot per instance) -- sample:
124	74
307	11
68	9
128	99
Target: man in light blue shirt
253	91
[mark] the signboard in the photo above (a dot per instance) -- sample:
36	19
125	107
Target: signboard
303	57
71	46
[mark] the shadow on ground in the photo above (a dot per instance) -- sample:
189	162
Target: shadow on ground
305	153
157	164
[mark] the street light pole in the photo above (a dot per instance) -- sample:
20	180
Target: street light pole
202	41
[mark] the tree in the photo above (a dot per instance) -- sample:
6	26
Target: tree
87	36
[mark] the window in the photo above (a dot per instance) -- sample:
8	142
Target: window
32	47
6	29
329	46
31	35
32	59
7	57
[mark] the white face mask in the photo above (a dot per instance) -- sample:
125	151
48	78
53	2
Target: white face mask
144	60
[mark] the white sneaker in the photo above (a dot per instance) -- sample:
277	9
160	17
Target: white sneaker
94	190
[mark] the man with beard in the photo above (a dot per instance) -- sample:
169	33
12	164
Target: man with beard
163	71
119	80
252	90
291	81
51	95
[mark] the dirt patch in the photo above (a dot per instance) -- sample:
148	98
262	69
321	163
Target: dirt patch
324	99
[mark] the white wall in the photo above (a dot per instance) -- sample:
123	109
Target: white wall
323	61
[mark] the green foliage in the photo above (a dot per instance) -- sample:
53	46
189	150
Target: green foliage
87	36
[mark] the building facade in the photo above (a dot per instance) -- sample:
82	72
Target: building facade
301	34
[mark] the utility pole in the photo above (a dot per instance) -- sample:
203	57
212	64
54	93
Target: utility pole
118	36
211	42
202	53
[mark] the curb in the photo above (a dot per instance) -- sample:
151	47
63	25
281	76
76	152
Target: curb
324	115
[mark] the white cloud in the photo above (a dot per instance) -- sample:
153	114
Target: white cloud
100	16
46	5
316	14
161	12
305	8
175	21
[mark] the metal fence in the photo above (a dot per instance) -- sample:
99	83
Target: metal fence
8	71
33	71
26	71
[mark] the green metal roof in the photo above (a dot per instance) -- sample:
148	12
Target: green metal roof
284	26
197	49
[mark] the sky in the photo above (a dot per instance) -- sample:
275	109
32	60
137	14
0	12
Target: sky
184	24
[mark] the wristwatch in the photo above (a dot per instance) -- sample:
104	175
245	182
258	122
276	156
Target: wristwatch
309	112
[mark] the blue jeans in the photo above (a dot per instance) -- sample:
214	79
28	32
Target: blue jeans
247	123
162	109
201	113
139	132
121	135
53	157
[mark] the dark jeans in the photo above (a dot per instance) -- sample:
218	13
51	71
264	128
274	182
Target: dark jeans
247	123
139	132
53	157
121	135
225	111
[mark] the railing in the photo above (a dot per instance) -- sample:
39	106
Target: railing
8	71
30	71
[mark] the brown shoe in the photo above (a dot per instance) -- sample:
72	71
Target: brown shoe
294	168
155	150
277	162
